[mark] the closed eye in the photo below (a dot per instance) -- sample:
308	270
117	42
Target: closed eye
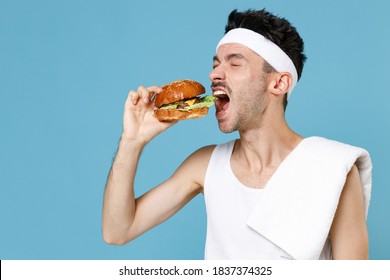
235	59
216	62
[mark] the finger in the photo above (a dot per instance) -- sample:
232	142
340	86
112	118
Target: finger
144	94
132	97
168	124
155	89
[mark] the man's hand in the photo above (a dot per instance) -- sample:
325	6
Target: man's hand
139	123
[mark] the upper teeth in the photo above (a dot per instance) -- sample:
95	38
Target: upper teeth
219	92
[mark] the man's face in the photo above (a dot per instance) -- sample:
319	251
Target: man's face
238	79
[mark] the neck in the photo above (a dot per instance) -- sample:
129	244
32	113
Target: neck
267	145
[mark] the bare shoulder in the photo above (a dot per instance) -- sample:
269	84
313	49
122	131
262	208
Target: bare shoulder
353	176
348	233
203	153
352	195
195	165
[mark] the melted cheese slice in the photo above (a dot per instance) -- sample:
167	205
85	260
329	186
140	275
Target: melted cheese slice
191	101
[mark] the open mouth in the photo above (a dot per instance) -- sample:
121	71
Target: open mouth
222	103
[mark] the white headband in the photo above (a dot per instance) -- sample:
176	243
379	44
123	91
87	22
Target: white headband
267	49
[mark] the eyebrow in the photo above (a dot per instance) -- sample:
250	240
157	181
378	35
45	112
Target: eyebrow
230	57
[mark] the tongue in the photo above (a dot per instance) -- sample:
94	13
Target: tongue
222	103
225	105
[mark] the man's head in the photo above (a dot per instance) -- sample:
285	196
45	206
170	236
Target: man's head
242	74
275	29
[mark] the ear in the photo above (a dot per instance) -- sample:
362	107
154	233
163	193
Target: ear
280	83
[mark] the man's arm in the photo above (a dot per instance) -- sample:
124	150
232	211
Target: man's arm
124	217
348	234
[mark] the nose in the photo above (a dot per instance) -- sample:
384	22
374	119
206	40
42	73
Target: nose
217	74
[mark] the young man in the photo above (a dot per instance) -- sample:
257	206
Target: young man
271	194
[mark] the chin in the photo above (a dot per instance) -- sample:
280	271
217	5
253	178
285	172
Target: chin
225	127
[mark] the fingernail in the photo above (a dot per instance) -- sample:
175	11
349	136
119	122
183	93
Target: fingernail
146	100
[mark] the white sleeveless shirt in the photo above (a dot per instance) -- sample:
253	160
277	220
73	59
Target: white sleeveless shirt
228	204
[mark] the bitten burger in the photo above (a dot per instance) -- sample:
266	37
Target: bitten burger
180	100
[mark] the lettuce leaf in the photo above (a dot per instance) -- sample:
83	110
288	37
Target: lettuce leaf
205	101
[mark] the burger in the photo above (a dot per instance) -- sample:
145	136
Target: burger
180	100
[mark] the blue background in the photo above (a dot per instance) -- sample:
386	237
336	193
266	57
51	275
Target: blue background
66	68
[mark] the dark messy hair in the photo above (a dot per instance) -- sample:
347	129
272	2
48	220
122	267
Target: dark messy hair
274	28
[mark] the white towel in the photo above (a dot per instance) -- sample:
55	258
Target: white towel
298	205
